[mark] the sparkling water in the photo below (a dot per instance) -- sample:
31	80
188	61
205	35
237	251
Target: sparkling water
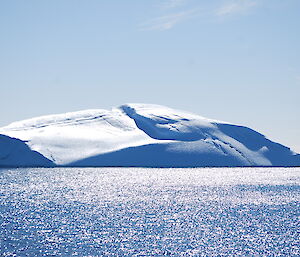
149	212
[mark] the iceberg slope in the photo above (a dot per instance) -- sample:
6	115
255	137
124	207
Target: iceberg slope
69	137
15	153
147	136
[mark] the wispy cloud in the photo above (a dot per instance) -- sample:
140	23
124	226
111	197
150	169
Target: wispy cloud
167	22
169	4
208	12
235	7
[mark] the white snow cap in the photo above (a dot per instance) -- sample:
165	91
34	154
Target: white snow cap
145	135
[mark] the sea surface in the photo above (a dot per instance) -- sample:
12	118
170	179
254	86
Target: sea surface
150	212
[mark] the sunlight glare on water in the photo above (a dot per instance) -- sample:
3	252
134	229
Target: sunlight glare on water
149	212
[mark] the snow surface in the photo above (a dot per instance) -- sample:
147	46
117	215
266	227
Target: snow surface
14	152
143	135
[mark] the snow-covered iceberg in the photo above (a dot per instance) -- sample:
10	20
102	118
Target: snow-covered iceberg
16	153
137	135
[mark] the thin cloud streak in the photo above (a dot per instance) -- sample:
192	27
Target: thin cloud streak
235	7
169	4
168	21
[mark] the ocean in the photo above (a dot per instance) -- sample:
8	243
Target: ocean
149	212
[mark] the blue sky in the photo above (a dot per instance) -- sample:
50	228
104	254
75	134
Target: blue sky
234	60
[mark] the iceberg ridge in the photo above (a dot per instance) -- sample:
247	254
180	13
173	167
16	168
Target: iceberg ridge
141	135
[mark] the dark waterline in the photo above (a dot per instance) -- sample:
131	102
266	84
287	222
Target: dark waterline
149	212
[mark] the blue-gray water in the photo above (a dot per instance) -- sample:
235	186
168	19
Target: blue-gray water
150	212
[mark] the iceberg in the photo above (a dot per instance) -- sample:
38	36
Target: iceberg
16	153
137	135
